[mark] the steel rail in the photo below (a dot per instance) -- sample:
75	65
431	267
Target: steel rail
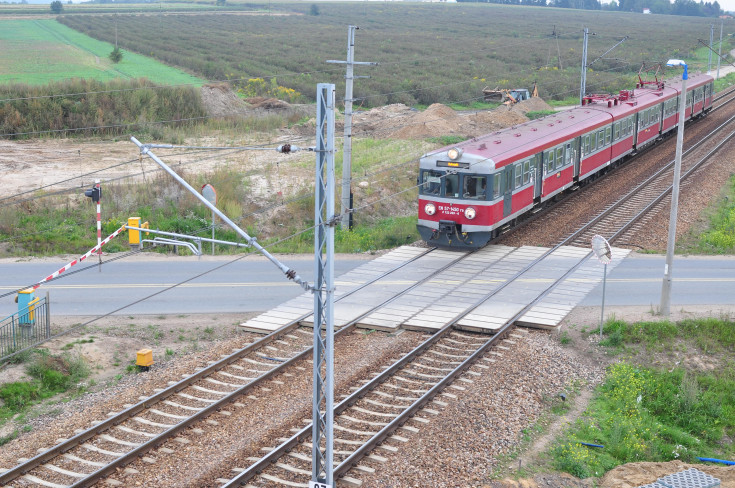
53	452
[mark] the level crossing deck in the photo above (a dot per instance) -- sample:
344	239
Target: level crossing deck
461	286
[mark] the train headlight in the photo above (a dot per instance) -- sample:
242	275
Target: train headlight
454	153
430	209
470	213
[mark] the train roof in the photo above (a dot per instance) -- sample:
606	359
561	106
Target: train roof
506	146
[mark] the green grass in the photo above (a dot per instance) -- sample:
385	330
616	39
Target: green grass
719	237
42	50
645	414
641	414
50	375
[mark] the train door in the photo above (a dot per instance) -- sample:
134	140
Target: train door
538	184
575	154
635	129
508	190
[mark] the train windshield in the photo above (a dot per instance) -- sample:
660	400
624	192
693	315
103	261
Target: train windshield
453	185
474	187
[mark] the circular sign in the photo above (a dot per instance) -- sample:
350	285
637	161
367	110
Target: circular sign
602	249
209	193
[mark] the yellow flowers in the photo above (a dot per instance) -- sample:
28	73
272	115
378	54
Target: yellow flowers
258	87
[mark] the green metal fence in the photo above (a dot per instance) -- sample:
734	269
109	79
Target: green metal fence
26	327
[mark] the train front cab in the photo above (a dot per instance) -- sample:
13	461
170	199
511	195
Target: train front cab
456	207
465	209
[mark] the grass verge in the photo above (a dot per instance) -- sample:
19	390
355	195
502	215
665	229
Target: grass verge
719	237
50	375
641	413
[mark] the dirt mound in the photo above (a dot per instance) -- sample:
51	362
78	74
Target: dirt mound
397	121
535	104
437	120
268	103
220	101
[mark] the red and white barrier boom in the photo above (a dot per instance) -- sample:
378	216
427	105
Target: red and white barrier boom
92	251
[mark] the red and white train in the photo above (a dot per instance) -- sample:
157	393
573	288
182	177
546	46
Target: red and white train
469	191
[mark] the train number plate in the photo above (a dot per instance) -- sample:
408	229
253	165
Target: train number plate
316	484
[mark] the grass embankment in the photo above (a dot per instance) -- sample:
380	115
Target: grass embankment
385	217
50	375
645	413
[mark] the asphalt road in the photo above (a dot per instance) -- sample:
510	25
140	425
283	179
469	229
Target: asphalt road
254	284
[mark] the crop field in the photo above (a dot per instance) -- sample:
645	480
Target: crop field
427	52
39	51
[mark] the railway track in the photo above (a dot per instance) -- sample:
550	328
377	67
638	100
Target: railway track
93	454
401	396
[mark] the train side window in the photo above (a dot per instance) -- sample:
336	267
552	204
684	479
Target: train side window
560	157
518	175
608	134
431	182
616	131
600	138
451	185
526	172
549	156
568	153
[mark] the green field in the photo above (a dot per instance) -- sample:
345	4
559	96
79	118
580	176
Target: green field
40	51
428	52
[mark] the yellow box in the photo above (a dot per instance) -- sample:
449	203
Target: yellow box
134	235
144	358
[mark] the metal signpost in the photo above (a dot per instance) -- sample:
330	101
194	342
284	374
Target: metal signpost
603	251
666	287
210	194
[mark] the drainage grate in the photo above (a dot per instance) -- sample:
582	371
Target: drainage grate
691	478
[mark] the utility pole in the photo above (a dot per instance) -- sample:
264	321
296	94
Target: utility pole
583	85
711	40
666	286
347	149
322	437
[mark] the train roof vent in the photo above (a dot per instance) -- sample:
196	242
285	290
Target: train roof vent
534	129
482	146
497	141
517	134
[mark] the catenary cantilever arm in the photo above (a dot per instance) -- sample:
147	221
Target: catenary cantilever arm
290	273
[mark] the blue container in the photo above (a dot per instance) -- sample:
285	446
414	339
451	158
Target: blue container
25	297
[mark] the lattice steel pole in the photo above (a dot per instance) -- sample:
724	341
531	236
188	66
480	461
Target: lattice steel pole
324	221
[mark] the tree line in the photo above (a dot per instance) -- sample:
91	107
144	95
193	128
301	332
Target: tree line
679	7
